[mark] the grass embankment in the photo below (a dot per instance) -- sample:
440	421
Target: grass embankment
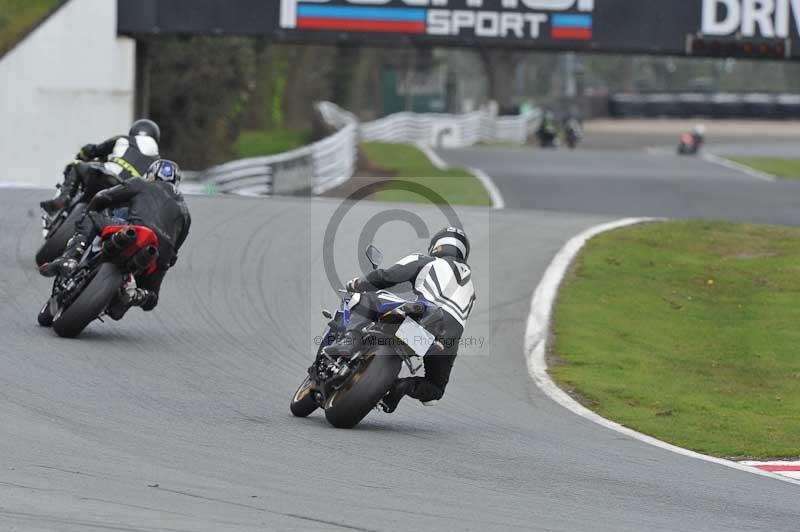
17	17
407	163
259	143
785	168
688	331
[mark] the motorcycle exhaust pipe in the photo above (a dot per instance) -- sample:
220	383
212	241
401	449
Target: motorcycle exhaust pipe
144	258
119	241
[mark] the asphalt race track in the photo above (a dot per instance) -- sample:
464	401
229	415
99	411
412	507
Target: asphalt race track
632	183
178	420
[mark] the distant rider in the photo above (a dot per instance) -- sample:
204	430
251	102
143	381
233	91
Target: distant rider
699	135
547	131
153	202
573	128
442	277
119	159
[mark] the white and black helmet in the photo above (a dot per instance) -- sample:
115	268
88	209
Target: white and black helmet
450	242
146	127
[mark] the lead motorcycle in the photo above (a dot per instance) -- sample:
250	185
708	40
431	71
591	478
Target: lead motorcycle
105	274
59	228
356	364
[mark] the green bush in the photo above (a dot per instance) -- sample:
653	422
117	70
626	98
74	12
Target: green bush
200	90
17	17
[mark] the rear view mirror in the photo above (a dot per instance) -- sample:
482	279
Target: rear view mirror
374	256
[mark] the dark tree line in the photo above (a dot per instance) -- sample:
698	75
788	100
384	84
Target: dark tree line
206	90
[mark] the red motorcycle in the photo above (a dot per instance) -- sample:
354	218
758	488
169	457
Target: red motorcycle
105	275
690	144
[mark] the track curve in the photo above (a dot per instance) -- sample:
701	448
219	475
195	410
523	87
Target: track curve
625	182
178	420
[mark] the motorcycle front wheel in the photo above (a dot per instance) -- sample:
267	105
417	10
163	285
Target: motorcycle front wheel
303	402
57	240
348	405
93	301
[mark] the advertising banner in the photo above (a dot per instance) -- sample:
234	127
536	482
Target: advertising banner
750	28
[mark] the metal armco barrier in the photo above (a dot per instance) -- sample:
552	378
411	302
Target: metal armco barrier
312	169
328	163
245	177
712	105
452	131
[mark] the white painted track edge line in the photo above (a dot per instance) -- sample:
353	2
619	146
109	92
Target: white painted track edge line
27	186
727	163
495	196
432	156
537	338
498	203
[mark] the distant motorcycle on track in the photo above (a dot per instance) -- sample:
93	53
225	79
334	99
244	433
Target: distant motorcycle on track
105	274
357	364
692	142
547	132
688	145
573	133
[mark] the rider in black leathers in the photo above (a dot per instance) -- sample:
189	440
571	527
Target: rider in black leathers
547	131
442	277
119	159
153	202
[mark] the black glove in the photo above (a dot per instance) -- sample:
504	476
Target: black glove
86	153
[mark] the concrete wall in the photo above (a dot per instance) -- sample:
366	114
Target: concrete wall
69	82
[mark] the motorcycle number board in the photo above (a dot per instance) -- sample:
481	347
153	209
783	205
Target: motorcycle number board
415	336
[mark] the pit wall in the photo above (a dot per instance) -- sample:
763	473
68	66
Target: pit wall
69	82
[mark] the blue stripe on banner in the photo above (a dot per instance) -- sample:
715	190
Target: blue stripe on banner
394	14
572	21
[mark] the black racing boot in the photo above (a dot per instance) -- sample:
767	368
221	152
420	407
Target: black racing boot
68	189
400	388
128	297
54	205
117	309
67	263
142	298
135	298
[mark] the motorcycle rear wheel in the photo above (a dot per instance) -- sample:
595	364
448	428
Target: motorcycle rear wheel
59	236
94	299
351	403
303	402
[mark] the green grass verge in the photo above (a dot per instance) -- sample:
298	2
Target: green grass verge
258	143
407	163
17	17
785	168
688	331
